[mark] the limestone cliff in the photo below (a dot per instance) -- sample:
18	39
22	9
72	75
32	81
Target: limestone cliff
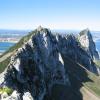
36	66
86	40
39	64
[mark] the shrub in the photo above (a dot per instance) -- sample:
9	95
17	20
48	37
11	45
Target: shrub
7	90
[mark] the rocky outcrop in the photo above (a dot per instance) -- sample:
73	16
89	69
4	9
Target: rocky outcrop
70	47
14	96
38	65
27	96
86	40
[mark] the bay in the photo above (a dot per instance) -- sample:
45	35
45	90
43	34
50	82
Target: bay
98	45
5	46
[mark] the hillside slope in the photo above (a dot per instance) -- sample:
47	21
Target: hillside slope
44	66
87	95
82	79
5	57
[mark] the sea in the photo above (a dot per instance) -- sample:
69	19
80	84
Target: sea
5	46
6	34
98	45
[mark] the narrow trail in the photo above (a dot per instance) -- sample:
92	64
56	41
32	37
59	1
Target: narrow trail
5	56
87	95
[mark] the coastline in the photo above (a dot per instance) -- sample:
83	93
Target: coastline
9	41
4	47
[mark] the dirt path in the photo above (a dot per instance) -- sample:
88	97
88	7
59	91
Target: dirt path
87	95
5	56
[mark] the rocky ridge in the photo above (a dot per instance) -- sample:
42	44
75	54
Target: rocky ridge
86	40
38	65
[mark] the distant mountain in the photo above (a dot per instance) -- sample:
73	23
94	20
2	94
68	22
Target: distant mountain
48	66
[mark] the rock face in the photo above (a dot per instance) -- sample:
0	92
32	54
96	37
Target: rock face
14	96
69	46
86	40
38	65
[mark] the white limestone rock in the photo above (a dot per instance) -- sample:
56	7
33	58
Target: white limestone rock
27	96
13	96
4	95
39	64
86	40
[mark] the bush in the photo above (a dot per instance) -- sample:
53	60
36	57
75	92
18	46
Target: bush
7	90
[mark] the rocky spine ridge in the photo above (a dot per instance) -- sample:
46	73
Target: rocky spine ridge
38	64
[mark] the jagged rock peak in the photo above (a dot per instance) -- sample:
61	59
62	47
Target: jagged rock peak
86	40
37	66
40	28
85	32
43	31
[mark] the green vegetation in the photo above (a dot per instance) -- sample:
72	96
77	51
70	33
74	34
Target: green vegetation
82	77
95	84
4	63
77	73
97	62
7	90
20	43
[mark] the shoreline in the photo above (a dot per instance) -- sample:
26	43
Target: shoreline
9	41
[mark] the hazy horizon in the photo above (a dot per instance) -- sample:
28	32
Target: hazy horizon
53	14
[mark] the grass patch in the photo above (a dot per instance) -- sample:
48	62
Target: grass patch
4	63
97	62
95	85
20	43
7	90
81	77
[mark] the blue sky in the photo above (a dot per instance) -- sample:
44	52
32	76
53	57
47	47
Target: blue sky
54	14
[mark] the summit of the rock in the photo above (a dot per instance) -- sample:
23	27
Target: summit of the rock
40	28
40	64
86	40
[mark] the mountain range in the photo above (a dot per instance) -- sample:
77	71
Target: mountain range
48	66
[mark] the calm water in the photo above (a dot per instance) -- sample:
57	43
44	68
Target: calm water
10	34
5	46
98	45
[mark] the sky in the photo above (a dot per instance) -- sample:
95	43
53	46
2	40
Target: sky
54	14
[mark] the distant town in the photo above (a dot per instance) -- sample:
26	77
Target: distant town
13	40
12	36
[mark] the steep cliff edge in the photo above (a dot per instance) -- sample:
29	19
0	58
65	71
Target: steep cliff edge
70	46
41	68
86	40
36	66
